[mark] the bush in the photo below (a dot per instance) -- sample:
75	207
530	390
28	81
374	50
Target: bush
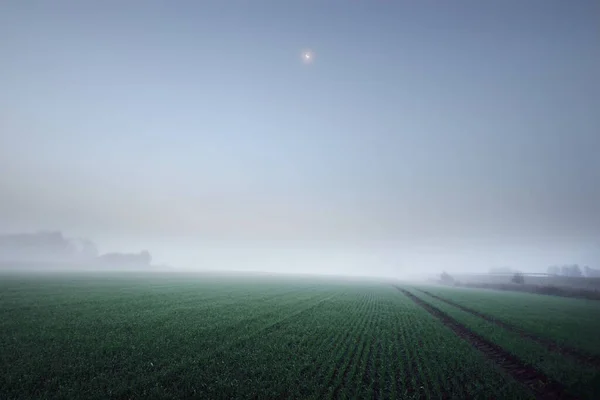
518	278
446	278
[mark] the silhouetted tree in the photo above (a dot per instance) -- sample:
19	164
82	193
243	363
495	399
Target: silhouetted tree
576	271
518	278
591	272
554	270
571	270
145	257
446	278
126	259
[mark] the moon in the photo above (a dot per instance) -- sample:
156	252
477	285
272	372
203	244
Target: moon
308	56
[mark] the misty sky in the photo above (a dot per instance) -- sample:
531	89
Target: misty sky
425	134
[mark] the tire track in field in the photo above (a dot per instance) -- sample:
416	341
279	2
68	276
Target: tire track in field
564	350
271	326
354	349
338	342
231	329
398	356
345	339
411	388
416	388
377	363
368	375
387	371
327	347
353	373
405	384
434	383
342	339
542	386
342	374
174	373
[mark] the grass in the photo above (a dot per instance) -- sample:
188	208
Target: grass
569	321
580	380
164	337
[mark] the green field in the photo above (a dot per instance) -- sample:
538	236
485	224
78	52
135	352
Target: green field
580	380
99	337
573	322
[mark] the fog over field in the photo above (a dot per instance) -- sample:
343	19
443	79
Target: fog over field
419	137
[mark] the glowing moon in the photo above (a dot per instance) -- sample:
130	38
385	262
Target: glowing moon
308	56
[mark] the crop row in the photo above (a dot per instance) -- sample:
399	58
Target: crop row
579	380
237	340
447	365
566	321
107	345
365	343
551	345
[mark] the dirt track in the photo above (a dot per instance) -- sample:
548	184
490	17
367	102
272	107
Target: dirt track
542	386
550	345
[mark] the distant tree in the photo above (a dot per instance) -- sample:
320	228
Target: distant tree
591	272
446	278
554	270
39	246
518	278
572	270
126	259
145	257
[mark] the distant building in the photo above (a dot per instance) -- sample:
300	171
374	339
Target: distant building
141	259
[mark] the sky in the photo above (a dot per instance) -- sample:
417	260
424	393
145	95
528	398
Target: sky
423	136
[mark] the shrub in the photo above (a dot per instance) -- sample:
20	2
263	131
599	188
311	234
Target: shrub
446	278
518	278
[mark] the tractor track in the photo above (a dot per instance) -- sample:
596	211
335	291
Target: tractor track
577	354
542	386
